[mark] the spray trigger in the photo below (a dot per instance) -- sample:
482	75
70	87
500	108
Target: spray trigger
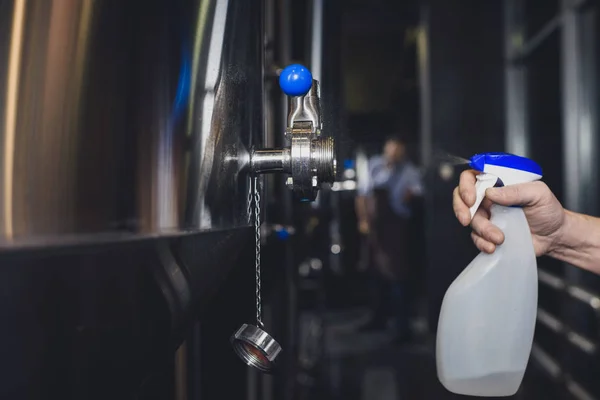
484	182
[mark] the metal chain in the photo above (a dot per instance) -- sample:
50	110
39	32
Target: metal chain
257	259
250	199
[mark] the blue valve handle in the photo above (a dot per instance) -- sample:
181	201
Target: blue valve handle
295	80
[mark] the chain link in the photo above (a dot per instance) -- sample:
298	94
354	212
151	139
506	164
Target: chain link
250	200
257	258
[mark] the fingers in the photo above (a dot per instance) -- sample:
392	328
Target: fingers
466	187
523	194
482	244
460	208
484	229
486	204
464	197
485	235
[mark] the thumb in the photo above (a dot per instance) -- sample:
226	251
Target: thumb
523	194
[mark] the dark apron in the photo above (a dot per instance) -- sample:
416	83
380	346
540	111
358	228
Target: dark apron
389	238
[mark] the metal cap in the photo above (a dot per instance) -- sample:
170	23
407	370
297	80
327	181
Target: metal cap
256	347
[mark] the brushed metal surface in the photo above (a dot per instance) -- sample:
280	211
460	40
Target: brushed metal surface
123	119
129	122
97	322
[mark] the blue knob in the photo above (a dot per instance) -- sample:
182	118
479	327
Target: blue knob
283	234
295	80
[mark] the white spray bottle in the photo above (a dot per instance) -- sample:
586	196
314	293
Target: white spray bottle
488	314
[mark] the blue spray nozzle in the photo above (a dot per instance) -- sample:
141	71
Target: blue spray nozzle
507	160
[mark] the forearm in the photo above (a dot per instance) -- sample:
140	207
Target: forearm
579	242
361	208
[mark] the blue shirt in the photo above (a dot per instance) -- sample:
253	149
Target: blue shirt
397	180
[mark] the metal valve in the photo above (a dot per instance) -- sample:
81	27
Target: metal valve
310	158
309	161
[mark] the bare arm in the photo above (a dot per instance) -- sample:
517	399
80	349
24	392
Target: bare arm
579	242
362	214
361	201
360	204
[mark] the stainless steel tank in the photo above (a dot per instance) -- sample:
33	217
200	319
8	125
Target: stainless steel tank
123	119
124	129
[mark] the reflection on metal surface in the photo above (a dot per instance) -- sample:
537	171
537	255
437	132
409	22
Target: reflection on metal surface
554	370
181	375
126	119
576	292
174	285
310	340
306	109
271	160
11	105
347	185
549	364
551	322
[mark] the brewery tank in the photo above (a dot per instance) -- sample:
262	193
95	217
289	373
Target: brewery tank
125	130
126	119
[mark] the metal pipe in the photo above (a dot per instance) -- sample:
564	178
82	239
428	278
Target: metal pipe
575	291
423	54
560	328
517	137
554	370
316	56
557	22
530	45
288	297
271	160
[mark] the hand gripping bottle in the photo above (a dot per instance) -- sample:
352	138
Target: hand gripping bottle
488	314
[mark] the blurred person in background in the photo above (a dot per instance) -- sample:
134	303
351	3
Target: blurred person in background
383	209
